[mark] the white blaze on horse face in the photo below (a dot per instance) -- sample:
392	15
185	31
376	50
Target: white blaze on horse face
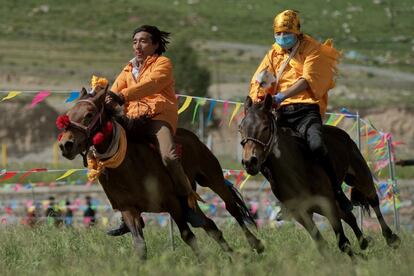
265	78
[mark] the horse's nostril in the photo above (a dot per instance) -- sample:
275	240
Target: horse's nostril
68	146
253	160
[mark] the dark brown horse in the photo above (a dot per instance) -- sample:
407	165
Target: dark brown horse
299	182
142	184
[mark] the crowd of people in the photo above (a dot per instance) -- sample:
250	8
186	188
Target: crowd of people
58	215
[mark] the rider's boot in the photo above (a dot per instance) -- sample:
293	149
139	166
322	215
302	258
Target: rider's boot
344	203
122	228
188	205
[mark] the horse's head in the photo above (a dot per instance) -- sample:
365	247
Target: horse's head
81	122
257	131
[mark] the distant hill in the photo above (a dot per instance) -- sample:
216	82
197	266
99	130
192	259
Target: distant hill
55	44
67	39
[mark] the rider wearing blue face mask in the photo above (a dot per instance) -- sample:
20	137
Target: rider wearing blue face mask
298	71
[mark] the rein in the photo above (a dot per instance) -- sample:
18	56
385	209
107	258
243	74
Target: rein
266	145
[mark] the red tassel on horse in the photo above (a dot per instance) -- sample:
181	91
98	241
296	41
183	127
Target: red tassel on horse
98	138
62	121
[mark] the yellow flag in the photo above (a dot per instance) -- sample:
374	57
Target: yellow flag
236	109
245	180
185	105
337	121
11	95
66	174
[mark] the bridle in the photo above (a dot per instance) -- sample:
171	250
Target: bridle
88	130
267	146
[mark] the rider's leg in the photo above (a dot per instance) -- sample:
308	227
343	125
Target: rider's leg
165	144
317	146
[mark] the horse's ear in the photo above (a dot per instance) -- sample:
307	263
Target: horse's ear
248	102
268	102
83	92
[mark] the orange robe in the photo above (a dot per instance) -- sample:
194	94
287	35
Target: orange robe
152	93
313	61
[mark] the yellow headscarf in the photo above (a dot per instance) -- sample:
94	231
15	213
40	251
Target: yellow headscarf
287	21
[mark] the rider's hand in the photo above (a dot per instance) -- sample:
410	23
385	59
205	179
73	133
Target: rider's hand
110	102
112	99
279	98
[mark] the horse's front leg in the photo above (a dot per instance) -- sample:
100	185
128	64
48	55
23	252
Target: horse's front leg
133	220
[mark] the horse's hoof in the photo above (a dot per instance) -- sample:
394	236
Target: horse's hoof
346	248
259	247
362	256
393	241
364	242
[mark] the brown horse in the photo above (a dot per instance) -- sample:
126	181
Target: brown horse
299	182
141	183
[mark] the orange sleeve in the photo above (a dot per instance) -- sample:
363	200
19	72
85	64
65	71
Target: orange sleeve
256	92
158	78
319	69
120	83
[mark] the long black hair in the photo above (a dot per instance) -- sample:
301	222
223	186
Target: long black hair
157	36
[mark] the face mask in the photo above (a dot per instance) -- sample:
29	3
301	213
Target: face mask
286	41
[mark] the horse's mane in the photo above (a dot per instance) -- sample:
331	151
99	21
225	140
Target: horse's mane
135	128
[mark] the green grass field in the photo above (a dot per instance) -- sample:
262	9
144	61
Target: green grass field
289	251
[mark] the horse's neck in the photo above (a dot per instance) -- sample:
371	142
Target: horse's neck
286	157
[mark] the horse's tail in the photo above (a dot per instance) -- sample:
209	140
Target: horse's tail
359	199
241	205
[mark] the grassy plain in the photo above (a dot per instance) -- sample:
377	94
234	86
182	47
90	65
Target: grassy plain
289	251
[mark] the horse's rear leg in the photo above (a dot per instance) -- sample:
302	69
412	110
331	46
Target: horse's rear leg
364	192
212	230
217	185
392	239
132	219
350	219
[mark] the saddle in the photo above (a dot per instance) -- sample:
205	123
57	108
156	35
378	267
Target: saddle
136	130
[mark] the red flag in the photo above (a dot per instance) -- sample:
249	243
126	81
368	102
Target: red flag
7	175
26	174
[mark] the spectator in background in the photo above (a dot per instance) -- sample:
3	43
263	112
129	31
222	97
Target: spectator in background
89	216
68	214
53	214
31	219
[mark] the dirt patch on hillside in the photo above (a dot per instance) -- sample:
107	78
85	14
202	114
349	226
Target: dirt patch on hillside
397	121
27	130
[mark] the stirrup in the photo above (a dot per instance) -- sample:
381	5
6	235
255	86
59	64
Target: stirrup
121	230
